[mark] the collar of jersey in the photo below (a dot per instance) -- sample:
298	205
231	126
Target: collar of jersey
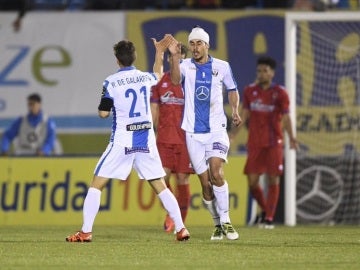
209	61
271	85
126	68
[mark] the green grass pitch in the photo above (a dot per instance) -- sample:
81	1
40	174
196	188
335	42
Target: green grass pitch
148	247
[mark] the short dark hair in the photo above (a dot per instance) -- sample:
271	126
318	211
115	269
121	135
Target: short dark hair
34	97
267	60
125	52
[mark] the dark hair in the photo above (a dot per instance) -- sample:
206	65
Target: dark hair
266	60
125	52
34	97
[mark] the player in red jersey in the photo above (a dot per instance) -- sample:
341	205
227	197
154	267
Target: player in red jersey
167	104
266	110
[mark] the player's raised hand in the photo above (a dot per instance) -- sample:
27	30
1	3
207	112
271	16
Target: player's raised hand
174	47
163	44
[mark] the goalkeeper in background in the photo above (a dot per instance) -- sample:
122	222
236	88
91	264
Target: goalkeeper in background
265	109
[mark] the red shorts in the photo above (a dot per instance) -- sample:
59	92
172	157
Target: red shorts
267	160
175	157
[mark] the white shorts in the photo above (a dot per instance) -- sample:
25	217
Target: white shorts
117	161
202	147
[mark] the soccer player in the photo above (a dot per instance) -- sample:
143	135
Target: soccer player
167	105
266	108
132	143
203	78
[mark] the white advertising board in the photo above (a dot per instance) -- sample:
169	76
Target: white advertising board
64	56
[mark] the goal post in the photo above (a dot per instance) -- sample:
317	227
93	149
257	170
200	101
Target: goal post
312	90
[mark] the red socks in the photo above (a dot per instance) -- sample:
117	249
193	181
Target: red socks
258	195
183	198
272	200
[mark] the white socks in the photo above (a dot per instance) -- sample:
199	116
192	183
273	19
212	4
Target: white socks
91	208
210	205
222	202
172	207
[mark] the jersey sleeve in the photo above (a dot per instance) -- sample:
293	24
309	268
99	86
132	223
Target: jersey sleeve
229	80
154	95
106	101
284	101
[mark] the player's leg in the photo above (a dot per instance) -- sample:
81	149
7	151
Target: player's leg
274	170
112	164
183	169
149	167
167	159
168	222
196	149
183	193
217	148
254	167
90	210
257	193
272	200
170	204
221	194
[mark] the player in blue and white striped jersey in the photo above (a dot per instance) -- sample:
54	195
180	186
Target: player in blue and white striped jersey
132	143
204	78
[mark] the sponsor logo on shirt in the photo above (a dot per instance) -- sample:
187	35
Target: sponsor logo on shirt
258	106
138	126
131	150
219	146
169	98
202	93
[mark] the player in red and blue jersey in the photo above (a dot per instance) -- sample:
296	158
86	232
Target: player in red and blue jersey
266	110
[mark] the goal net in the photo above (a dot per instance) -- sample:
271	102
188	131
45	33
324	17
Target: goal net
323	79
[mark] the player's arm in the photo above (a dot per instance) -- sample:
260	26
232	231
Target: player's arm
9	136
155	113
175	59
234	101
160	48
287	124
106	103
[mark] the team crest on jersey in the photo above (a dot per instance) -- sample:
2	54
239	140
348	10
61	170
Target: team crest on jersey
274	95
255	93
215	72
164	85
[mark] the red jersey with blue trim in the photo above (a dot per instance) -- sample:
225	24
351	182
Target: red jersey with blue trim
266	107
171	106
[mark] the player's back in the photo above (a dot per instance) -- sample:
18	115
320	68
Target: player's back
130	90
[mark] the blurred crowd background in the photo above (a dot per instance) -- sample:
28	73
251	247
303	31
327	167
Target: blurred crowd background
176	4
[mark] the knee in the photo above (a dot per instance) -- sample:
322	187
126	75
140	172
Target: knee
217	178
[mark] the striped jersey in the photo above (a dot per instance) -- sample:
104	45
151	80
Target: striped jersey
203	86
129	89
